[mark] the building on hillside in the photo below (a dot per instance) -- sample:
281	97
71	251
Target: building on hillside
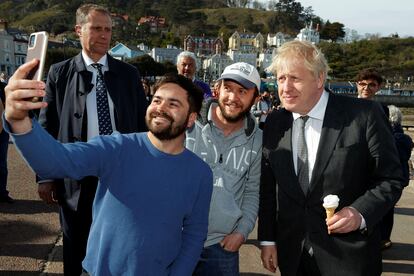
119	19
155	23
214	66
165	54
204	46
144	47
265	59
275	40
309	34
122	52
13	48
239	56
246	42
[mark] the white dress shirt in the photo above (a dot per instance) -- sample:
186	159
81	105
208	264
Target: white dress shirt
93	126
313	129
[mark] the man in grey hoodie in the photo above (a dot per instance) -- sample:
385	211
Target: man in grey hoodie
227	137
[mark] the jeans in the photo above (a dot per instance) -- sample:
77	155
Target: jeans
4	146
215	261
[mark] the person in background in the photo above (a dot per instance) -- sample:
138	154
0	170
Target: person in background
369	82
322	144
187	66
404	145
88	95
3	78
216	88
227	137
147	90
4	146
262	108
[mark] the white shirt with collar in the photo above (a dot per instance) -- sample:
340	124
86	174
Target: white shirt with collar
313	129
91	107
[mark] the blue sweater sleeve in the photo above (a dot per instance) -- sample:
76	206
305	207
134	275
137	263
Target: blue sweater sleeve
195	227
52	159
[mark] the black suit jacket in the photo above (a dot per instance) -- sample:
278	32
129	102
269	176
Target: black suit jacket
356	160
65	117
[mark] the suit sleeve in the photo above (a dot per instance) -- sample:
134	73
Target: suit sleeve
141	105
385	174
267	223
48	116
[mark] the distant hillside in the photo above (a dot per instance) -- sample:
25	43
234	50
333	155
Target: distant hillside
183	17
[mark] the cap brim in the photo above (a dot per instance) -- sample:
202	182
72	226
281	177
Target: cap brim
240	80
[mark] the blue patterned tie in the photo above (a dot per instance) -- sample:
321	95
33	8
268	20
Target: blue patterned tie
303	167
102	106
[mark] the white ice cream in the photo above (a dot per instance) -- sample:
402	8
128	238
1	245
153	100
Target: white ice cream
331	201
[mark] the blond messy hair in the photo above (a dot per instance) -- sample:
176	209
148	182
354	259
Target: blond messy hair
295	52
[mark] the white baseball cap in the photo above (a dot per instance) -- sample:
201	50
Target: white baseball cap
243	73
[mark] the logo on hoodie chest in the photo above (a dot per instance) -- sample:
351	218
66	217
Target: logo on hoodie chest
237	159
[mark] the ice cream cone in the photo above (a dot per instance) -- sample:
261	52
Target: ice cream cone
329	213
330	203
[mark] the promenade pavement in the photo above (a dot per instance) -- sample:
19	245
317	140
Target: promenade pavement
30	238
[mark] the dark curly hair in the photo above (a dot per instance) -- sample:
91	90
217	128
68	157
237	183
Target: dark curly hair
369	74
194	93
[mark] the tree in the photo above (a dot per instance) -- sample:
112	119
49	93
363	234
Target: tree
332	31
290	16
257	5
247	23
237	3
147	66
272	23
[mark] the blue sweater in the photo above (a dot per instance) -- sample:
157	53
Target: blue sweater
150	212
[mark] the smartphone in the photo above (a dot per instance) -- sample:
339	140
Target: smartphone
36	48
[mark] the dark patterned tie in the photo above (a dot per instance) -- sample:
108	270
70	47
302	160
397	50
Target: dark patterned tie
102	106
303	167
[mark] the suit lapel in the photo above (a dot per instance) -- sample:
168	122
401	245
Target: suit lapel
84	83
333	124
110	78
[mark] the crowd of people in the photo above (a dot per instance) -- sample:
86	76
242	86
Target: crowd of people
225	158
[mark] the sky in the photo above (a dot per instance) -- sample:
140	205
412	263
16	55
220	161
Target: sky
367	16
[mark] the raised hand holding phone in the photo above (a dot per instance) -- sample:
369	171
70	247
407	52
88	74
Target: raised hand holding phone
18	90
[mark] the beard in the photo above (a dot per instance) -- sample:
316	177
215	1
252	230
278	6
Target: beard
169	132
233	118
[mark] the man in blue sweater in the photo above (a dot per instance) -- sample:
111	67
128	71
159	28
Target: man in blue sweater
150	212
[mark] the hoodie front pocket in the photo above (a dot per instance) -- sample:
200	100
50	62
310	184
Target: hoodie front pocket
224	212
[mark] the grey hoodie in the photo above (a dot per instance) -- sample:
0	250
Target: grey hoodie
235	161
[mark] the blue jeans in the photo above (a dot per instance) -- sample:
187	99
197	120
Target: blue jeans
4	146
215	261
